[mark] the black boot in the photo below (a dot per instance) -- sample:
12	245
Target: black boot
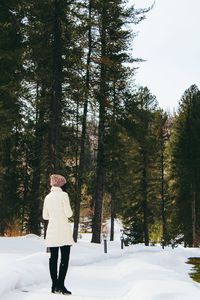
64	291
53	273
61	279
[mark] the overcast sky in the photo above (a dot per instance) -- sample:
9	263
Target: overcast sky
169	39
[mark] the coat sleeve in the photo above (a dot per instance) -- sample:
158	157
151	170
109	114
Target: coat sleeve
66	204
45	213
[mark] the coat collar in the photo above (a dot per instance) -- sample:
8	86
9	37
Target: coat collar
56	189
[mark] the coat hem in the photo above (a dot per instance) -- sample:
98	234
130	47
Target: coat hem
59	244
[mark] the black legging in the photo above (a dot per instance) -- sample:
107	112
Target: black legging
65	251
59	279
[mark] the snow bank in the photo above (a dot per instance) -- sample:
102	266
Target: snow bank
21	262
136	272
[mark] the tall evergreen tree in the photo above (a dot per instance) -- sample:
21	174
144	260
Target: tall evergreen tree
114	40
11	49
141	123
50	62
185	145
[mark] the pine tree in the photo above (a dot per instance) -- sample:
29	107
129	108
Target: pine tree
50	71
141	123
185	145
113	41
11	49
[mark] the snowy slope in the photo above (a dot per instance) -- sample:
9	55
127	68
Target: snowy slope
136	272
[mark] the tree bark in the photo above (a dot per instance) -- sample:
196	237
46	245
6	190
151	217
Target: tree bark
5	180
35	211
83	133
100	173
56	93
113	212
194	219
145	201
162	191
25	194
112	217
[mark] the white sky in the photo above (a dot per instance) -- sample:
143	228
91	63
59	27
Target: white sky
169	41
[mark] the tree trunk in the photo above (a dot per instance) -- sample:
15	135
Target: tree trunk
113	136
100	173
97	220
145	201
35	210
162	192
83	133
77	163
56	94
194	240
112	217
5	184
25	194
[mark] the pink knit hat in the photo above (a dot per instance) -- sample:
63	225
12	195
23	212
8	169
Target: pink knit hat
57	180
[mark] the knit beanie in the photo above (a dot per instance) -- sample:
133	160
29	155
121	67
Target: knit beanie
57	180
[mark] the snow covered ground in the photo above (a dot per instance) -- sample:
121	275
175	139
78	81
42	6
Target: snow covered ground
134	273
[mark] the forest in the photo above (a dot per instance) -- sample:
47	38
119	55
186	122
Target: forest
69	105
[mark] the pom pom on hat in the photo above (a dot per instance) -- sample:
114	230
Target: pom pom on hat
57	180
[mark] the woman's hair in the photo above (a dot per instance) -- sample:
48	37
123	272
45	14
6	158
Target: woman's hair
64	187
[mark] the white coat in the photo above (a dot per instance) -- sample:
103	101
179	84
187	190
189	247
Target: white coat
57	210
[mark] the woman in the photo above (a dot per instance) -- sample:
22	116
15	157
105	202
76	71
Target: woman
57	210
